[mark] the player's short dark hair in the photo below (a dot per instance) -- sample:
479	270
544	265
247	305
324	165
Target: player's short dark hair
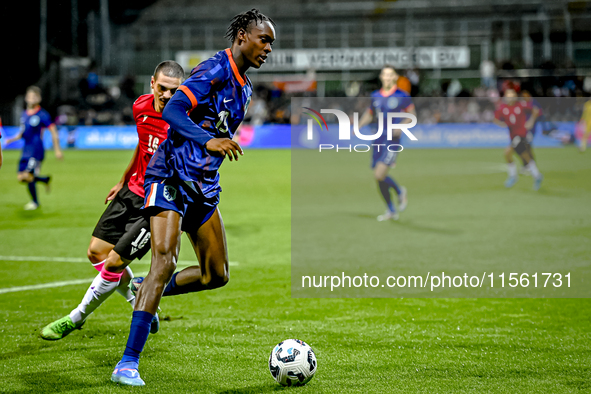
171	69
34	89
243	21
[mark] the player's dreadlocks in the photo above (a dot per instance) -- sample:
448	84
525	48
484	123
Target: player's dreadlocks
242	21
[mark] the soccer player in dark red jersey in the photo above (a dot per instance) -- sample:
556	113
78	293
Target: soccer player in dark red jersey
519	116
122	233
182	180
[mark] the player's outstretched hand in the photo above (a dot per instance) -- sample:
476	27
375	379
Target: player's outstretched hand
59	155
113	192
224	146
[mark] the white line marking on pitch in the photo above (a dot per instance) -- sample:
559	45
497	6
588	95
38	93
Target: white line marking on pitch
44	259
182	264
45	285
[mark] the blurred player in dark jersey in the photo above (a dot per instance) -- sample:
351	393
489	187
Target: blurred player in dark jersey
33	121
122	233
182	179
519	116
388	99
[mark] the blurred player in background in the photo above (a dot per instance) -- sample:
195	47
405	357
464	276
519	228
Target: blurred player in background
586	120
532	133
182	180
388	99
519	116
0	142
33	121
122	233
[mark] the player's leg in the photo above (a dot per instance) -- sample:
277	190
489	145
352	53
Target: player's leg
26	175
114	273
511	167
523	150
166	233
384	186
97	253
213	271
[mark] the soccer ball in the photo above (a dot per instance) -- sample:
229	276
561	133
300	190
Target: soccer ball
292	363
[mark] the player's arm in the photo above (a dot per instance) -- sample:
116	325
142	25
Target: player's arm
532	119
125	178
15	138
56	141
176	115
410	109
499	122
366	118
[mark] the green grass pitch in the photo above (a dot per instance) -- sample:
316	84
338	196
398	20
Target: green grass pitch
219	341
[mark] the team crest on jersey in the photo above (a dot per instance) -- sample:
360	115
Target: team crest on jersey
392	102
34	121
169	193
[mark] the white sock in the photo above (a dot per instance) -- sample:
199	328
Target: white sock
97	293
512	169
123	287
534	169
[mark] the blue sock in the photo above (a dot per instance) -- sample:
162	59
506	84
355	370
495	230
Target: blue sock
138	335
173	289
33	191
385	190
171	286
390	181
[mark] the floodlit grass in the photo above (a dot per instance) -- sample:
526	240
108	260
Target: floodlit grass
219	341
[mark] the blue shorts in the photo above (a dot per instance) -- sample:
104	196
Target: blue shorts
29	164
385	156
165	194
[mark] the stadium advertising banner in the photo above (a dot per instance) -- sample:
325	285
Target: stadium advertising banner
350	58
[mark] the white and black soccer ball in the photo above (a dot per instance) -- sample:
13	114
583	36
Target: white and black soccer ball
292	363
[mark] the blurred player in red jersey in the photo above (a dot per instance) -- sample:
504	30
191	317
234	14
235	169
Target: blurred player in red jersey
519	116
122	234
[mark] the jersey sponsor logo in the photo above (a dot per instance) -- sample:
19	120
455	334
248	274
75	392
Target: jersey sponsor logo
169	193
34	121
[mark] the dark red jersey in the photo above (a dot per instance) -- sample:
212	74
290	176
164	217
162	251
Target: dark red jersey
515	116
151	130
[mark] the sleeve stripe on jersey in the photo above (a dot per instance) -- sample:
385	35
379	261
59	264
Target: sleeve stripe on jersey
189	94
234	67
151	196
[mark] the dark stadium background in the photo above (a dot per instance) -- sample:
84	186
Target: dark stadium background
544	44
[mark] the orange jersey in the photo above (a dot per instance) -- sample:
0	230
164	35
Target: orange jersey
151	130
